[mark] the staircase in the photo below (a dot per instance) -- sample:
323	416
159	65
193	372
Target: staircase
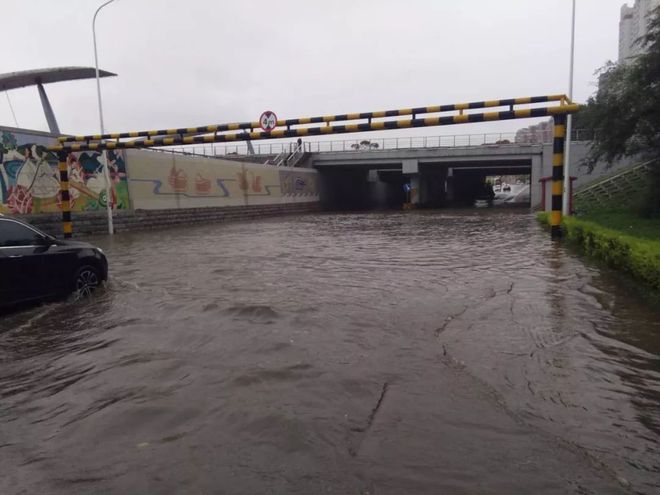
278	160
620	189
298	155
290	159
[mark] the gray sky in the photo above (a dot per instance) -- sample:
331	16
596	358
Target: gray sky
196	62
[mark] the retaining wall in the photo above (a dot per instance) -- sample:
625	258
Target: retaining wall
161	180
150	188
135	220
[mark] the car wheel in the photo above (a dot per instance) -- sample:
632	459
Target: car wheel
87	281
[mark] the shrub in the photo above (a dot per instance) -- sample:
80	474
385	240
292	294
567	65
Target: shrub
543	217
636	256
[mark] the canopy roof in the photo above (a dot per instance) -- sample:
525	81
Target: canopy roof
21	79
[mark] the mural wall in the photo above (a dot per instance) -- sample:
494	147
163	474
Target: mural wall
29	176
29	179
165	180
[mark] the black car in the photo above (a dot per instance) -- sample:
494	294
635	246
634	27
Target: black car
34	265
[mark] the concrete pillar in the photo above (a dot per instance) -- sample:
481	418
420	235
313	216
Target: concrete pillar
534	185
449	184
410	169
415	189
377	190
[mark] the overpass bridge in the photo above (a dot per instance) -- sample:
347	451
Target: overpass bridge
363	173
437	175
371	172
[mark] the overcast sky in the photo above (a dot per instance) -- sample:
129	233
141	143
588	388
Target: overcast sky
197	62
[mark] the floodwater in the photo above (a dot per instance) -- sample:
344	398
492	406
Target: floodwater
382	353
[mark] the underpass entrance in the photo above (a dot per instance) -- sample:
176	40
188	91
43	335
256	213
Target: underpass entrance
351	188
479	185
435	185
557	106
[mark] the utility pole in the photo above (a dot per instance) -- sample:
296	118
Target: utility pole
569	125
104	153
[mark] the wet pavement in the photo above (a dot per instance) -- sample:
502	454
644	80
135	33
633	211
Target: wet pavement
381	353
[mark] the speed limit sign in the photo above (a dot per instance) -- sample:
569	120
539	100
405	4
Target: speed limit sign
268	121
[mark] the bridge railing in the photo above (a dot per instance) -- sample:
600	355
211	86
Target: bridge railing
375	144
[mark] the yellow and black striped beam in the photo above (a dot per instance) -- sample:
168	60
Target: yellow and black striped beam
323	119
558	143
322	130
67	225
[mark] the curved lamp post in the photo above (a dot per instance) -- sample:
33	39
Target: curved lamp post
104	154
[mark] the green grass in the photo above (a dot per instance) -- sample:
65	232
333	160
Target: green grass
621	239
543	217
626	222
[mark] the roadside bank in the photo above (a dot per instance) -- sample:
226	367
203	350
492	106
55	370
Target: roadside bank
622	240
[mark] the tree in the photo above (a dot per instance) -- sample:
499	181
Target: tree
364	145
625	111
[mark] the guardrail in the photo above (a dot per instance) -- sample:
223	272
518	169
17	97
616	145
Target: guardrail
411	142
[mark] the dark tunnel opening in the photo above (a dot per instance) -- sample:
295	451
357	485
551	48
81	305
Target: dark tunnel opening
435	185
351	189
491	187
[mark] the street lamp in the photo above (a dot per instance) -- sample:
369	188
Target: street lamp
569	124
104	154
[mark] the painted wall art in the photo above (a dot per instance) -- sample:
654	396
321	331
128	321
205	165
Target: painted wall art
29	177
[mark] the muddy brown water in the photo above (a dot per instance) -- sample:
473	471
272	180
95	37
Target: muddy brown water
382	353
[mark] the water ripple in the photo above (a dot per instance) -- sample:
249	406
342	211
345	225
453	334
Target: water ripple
381	353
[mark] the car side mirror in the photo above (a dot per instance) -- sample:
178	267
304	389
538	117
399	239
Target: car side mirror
46	241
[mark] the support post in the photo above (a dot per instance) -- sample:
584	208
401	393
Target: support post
48	110
558	144
67	225
543	181
415	190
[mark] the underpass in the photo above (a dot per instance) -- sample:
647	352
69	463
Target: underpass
437	177
371	353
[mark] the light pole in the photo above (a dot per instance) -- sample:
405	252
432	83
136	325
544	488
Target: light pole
104	154
569	124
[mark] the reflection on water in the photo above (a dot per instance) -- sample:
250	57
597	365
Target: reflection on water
426	352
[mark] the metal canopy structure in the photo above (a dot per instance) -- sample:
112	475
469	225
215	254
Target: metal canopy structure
21	79
39	77
556	106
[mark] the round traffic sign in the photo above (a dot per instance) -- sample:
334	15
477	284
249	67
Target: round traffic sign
268	121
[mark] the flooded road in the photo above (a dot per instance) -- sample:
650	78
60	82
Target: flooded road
418	353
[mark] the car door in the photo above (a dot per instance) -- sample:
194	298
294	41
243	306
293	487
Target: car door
24	266
60	267
7	275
